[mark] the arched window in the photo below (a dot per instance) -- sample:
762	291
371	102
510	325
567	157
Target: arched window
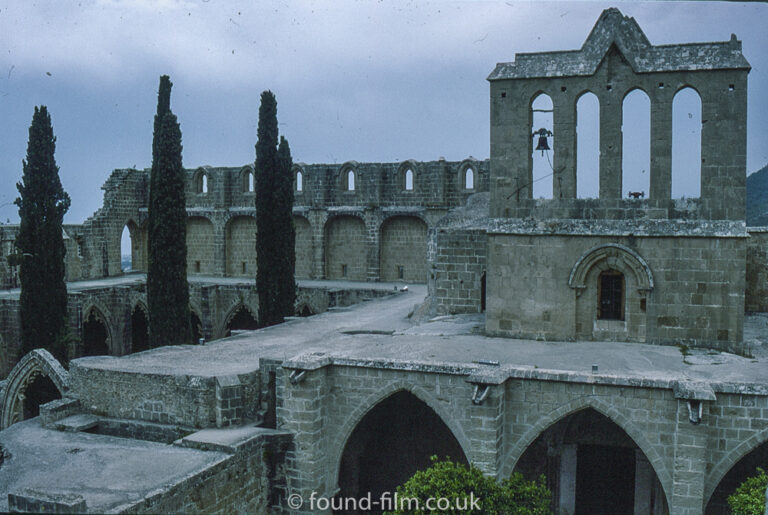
126	250
350	181
409	180
248	185
686	144
541	130
610	295
588	146
469	179
636	144
299	181
204	184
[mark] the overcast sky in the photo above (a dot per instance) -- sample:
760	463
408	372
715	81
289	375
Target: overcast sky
365	81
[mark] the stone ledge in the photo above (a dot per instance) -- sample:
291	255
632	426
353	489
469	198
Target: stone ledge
657	228
37	501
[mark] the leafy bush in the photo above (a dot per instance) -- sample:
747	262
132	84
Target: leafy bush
749	497
461	485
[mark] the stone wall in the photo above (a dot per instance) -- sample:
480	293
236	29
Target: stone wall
403	249
693	297
756	295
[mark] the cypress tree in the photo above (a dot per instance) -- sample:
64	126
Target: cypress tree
42	204
275	243
167	288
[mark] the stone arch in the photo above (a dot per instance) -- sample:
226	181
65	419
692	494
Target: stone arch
470	167
587	105
234	308
98	312
346	247
727	462
407	181
247	179
33	364
299	178
137	245
403	254
541	110
513	454
201	180
358	413
241	235
304	246
616	254
139	327
636	109
347	170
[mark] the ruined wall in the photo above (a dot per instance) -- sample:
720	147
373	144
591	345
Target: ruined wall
403	249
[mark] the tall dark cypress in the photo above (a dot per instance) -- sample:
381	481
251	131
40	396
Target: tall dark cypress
167	288
275	243
40	242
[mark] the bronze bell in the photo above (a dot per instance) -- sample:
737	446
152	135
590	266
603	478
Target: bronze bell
543	143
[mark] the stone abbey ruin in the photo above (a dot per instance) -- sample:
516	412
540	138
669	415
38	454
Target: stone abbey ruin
616	344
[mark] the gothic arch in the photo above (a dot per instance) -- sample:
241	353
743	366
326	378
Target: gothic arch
366	405
343	178
616	255
247	179
101	314
299	170
635	433
35	363
235	306
725	464
461	178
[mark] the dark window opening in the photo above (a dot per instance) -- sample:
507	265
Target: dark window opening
400	272
94	337
197	267
482	292
563	89
503	94
343	270
243	266
197	326
731	87
611	295
139	330
40	391
242	320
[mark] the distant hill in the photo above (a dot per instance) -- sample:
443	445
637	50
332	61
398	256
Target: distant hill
757	198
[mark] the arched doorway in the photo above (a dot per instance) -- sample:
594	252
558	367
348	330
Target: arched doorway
394	440
95	335
241	320
593	466
139	330
746	467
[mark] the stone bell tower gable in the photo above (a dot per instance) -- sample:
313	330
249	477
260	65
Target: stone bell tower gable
694	248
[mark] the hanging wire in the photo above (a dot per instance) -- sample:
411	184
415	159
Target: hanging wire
554	172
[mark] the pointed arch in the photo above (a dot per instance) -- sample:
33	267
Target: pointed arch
38	362
587	146
247	180
637	435
364	407
727	462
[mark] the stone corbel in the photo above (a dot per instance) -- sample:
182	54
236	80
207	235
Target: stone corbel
695	394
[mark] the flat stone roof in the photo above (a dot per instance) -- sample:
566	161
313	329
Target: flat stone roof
379	333
108	472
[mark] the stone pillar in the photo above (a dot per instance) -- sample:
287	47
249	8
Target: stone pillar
690	463
643	483
564	138
219	247
486	414
661	145
318	218
567	501
373	228
300	409
610	145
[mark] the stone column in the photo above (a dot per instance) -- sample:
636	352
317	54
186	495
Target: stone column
564	138
567	501
661	145
300	411
610	145
690	463
318	218
486	414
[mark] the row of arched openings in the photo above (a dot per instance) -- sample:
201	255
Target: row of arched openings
202	181
636	145
348	179
591	464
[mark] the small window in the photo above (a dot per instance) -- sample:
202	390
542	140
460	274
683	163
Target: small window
243	263
248	182
343	270
80	249
203	187
409	180
350	181
197	267
611	295
469	179
400	272
299	181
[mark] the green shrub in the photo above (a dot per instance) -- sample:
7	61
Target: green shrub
749	497
461	485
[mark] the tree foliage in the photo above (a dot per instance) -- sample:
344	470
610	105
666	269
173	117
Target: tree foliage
749	497
460	484
167	288
275	241
40	242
